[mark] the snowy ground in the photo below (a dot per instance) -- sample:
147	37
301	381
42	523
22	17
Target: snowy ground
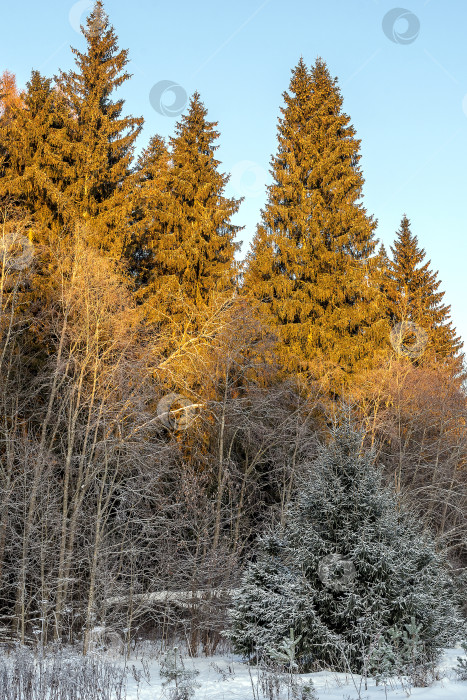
226	678
221	677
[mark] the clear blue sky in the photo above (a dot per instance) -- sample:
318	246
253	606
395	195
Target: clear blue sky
407	101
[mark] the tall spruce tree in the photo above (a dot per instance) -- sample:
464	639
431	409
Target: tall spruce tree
9	95
100	142
151	199
312	263
348	571
186	238
383	267
412	294
33	175
34	171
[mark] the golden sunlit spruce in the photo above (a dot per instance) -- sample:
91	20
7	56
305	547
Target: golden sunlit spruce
100	142
32	176
33	172
147	250
9	95
312	263
412	294
187	245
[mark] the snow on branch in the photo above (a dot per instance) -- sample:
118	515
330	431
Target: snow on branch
183	598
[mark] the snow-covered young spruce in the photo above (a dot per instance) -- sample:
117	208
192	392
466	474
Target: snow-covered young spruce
351	571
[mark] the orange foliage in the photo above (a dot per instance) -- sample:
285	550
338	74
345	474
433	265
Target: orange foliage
9	96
